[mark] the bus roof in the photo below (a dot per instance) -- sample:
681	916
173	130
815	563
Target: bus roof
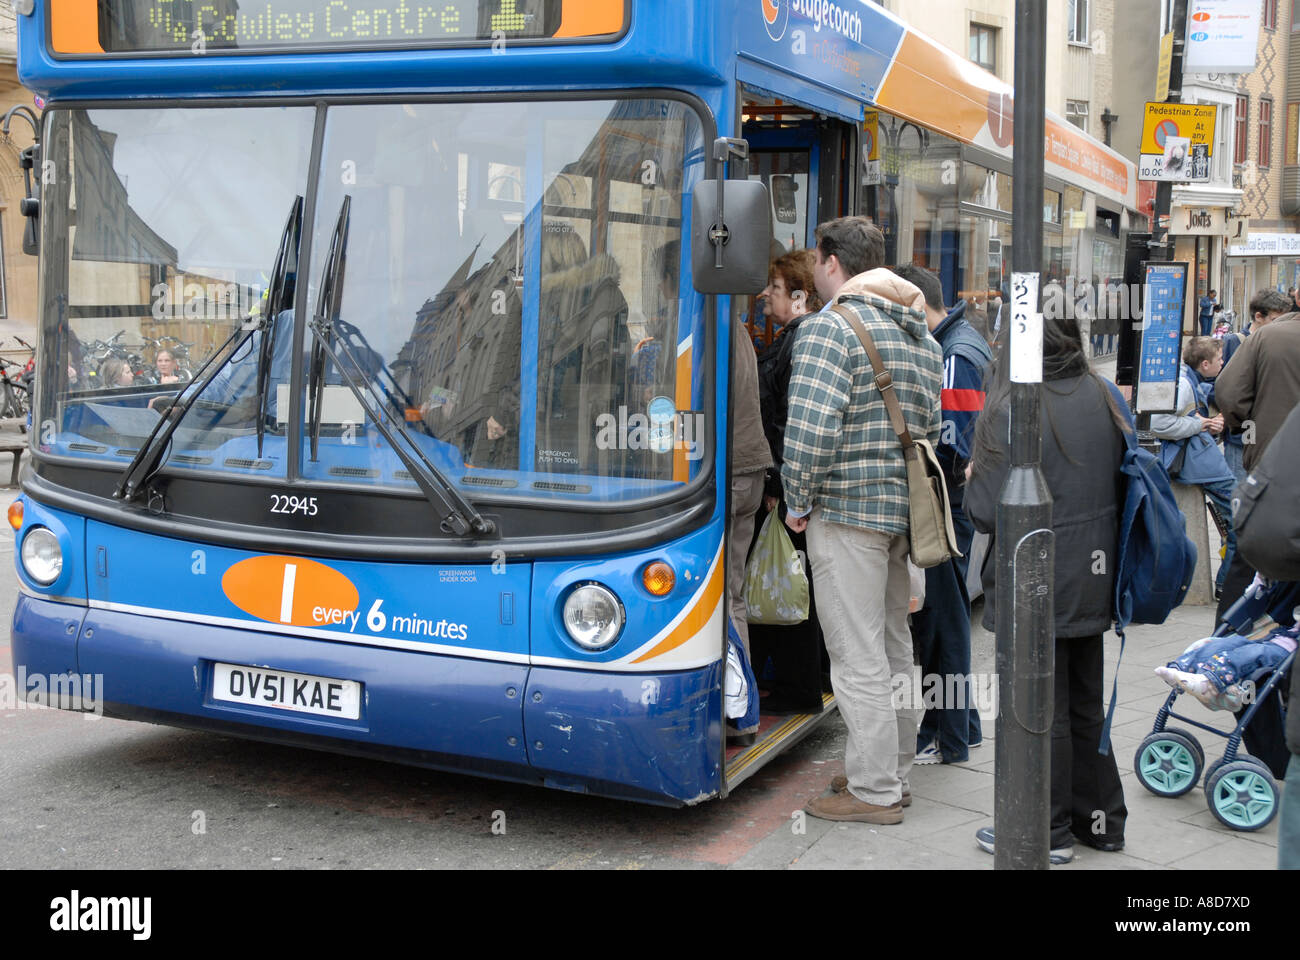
853	54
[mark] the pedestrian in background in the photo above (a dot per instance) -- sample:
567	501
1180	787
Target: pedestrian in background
1265	307
1256	392
1207	312
846	484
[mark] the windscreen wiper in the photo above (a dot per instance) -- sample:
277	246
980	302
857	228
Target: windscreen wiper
458	515
146	462
279	299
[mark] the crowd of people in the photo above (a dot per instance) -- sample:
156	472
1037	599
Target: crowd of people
833	468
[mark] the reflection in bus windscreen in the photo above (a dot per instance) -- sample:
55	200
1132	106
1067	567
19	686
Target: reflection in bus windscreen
130	26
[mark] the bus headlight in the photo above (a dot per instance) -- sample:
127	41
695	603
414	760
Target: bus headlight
593	616
42	555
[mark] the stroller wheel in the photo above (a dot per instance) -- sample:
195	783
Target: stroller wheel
1241	795
1168	763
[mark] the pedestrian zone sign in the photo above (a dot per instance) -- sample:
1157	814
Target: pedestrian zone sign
1177	142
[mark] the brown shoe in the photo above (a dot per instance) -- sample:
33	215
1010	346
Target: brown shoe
845	806
841	783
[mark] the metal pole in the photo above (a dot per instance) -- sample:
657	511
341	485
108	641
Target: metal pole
1160	245
1021	793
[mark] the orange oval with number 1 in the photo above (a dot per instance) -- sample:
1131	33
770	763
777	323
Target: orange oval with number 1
292	591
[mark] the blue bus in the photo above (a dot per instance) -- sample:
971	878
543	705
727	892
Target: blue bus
379	409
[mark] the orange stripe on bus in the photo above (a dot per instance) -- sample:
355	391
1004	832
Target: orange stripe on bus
591	18
74	26
694	621
681	466
931	86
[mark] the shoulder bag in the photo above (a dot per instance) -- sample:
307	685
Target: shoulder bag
929	513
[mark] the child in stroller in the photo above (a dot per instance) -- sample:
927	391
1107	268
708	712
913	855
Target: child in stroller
1221	672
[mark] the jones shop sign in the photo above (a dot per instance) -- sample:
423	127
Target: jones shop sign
1199	222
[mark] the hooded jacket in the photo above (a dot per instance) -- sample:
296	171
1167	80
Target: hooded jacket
840	451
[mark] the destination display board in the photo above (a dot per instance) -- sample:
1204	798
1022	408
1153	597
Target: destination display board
187	28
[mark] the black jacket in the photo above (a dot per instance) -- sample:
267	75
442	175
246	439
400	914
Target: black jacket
774	363
1087	501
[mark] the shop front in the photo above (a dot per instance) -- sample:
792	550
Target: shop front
1266	261
1197	233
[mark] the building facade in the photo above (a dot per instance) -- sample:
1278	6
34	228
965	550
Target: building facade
18	273
1265	158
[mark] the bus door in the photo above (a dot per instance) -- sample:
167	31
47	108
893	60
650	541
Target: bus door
807	161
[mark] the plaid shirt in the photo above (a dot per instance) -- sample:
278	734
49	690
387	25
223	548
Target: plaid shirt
840	450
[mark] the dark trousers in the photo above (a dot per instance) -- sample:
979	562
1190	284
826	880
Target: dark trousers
795	651
1087	797
941	641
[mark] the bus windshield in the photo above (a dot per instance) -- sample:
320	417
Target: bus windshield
508	292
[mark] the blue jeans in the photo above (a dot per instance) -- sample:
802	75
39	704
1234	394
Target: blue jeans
1220	495
1207	321
1233	453
1231	659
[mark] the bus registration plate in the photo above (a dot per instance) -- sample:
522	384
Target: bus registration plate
299	692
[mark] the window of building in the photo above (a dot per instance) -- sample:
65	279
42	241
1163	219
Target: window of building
984	46
1076	111
1270	14
1265	158
1240	125
1078	21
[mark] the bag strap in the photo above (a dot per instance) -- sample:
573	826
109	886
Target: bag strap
884	380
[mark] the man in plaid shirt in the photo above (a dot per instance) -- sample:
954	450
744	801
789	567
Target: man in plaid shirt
846	484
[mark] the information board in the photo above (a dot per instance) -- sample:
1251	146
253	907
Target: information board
1160	358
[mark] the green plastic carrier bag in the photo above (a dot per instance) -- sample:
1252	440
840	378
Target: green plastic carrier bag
776	587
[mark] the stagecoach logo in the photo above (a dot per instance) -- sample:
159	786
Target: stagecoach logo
776	15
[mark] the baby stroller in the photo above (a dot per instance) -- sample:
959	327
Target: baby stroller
1239	789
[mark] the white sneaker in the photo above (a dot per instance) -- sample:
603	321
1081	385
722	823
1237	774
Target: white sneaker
930	754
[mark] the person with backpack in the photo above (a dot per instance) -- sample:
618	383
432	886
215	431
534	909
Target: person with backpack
1084	427
1188	448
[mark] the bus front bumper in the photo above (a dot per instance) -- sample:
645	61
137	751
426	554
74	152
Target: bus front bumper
654	738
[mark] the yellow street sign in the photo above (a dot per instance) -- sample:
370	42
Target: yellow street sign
871	135
1195	121
1163	65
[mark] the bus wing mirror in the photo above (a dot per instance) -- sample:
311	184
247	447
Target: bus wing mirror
30	205
731	236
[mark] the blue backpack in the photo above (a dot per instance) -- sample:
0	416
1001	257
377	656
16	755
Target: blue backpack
1156	557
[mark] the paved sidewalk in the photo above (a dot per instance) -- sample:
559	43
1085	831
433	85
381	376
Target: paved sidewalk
951	801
